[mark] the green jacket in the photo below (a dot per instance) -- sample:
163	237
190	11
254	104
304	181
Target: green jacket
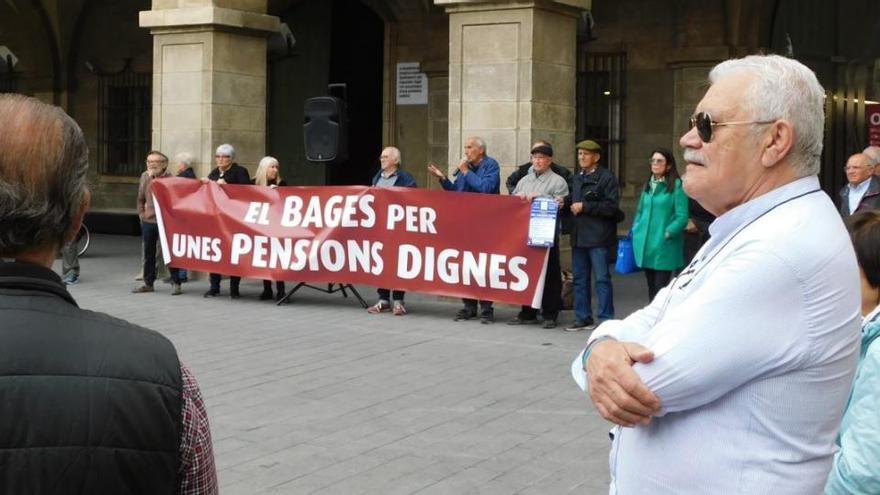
658	228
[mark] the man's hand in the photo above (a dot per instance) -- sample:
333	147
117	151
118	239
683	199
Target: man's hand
436	172
560	201
615	388
221	181
204	180
691	227
577	208
464	167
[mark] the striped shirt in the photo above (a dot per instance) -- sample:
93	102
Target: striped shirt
755	346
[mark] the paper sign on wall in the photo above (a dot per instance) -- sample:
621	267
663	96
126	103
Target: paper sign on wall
412	85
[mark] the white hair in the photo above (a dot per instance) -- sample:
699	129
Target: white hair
873	152
261	177
185	158
226	149
479	142
783	88
395	154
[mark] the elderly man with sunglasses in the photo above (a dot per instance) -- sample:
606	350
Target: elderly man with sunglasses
734	378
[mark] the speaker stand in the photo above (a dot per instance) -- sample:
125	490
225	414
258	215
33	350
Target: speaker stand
331	288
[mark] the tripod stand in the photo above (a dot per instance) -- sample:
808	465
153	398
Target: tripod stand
331	288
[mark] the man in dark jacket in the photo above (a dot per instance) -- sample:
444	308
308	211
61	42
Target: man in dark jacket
390	175
93	404
227	172
594	205
863	189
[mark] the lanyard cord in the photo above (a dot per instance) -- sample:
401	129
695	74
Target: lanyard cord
692	267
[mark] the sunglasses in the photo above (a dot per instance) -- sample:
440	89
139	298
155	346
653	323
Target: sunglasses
704	124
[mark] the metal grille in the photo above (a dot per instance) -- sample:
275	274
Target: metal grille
124	118
601	94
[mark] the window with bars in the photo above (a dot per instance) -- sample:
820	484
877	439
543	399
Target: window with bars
601	94
124	122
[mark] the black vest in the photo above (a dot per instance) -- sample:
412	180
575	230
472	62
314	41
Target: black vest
89	403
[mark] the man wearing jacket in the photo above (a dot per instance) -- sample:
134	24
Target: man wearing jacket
479	173
390	175
157	167
863	189
93	404
594	204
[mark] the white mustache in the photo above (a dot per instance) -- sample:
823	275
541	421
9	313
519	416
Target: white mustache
694	156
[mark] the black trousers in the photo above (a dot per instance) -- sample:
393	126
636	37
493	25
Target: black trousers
234	282
657	279
551	299
390	295
471	305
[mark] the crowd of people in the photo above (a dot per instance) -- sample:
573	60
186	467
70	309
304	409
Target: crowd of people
753	368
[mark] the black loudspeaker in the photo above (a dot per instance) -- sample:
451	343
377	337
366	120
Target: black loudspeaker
325	129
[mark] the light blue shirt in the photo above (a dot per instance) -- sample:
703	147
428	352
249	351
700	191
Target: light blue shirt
755	346
856	192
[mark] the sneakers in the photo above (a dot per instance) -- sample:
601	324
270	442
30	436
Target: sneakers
399	308
212	293
465	314
523	321
579	325
176	290
142	289
487	317
71	278
549	324
379	307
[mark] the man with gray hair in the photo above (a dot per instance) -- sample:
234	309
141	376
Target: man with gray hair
862	191
227	172
480	173
92	404
734	378
873	153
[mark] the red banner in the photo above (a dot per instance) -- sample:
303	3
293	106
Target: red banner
872	116
456	244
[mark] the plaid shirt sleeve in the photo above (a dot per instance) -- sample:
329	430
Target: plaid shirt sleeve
196	471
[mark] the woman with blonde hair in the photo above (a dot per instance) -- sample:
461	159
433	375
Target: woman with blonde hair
269	175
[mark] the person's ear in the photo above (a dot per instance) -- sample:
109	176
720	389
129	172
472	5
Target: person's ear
777	142
79	216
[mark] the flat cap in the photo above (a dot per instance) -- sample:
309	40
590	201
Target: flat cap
589	145
544	149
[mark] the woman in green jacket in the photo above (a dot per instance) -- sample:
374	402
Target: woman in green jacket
658	228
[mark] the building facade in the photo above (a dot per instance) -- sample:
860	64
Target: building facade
187	75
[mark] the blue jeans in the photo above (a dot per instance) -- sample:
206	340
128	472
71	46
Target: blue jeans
583	262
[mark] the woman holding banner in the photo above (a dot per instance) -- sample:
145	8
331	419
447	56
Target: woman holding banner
268	175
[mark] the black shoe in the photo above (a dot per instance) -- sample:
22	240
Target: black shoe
517	320
212	293
265	295
465	314
548	324
279	296
579	325
233	294
487	317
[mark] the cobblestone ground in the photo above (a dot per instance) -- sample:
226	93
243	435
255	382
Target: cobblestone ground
318	396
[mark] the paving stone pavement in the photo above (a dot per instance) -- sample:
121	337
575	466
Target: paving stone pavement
318	396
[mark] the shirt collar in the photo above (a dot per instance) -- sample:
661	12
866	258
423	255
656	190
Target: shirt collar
861	186
730	221
389	175
870	316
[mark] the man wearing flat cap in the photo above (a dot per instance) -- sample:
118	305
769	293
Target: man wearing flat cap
543	182
594	205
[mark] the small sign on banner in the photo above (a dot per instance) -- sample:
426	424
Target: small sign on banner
412	85
542	222
872	116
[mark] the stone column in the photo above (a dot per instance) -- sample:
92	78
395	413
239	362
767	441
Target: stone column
209	77
512	72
